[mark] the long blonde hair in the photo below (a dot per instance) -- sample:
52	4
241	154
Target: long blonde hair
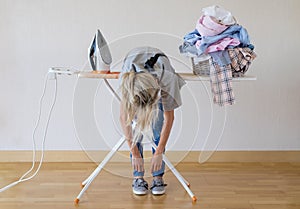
140	95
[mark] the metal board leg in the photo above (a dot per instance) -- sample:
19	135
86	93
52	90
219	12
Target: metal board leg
86	183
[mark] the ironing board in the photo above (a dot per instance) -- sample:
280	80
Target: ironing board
115	75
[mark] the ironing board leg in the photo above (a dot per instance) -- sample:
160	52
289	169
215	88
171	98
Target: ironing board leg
183	182
86	183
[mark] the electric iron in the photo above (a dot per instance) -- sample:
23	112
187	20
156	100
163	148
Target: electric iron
99	54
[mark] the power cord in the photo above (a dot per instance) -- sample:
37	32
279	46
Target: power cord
23	177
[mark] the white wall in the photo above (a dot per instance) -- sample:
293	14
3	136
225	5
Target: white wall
38	34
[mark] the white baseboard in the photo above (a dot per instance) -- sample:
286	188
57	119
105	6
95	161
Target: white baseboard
173	156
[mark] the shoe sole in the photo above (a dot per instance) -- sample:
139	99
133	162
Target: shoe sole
158	192
139	192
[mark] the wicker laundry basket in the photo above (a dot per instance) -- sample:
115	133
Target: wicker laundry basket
201	65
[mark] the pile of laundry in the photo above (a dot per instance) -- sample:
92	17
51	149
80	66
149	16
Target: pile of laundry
218	36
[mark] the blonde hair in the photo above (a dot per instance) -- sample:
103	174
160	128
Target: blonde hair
140	95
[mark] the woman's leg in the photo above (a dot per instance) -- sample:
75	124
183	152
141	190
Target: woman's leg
139	185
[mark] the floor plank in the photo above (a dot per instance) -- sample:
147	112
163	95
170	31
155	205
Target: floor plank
216	185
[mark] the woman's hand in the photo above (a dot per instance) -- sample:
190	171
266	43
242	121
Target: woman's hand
137	161
156	162
138	164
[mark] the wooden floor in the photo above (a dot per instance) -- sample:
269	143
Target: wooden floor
216	185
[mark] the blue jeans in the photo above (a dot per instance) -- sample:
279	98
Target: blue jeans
157	127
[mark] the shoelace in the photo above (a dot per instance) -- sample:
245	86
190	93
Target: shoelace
141	183
158	184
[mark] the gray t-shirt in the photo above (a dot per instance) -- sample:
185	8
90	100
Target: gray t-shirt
169	81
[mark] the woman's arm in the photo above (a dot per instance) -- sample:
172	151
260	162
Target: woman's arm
127	131
165	132
157	158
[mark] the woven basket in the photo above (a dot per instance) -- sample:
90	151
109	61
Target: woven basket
201	65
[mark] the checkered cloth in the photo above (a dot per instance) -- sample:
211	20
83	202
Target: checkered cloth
241	59
220	80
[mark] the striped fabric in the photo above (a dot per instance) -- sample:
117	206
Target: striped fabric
220	80
241	59
221	76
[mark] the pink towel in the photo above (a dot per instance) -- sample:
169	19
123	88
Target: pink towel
222	44
208	26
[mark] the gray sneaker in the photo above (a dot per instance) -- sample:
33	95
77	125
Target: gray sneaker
139	186
158	186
